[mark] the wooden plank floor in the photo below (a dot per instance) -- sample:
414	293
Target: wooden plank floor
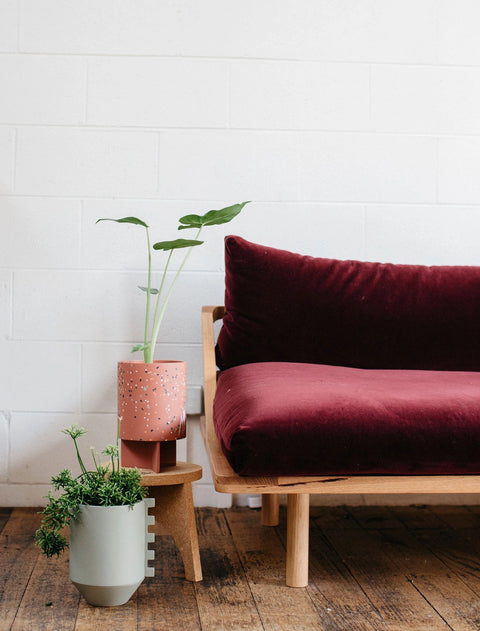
371	569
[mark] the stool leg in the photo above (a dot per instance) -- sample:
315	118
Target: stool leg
174	510
270	509
297	539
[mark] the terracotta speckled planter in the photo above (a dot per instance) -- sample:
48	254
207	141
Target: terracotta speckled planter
152	406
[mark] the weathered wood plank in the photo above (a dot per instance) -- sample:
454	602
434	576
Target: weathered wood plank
417	517
263	558
22	521
458	549
374	517
400	605
326	517
446	592
4	516
16	565
17	560
122	618
458	517
50	601
211	522
340	601
224	598
168	606
167	601
167	561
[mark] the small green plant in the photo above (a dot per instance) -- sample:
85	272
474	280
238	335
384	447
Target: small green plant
198	222
106	485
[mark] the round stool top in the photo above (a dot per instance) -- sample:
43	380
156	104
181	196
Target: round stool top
176	474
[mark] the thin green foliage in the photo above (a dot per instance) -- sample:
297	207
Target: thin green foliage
105	485
163	293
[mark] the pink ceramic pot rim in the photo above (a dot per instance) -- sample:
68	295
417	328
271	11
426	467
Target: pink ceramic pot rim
155	361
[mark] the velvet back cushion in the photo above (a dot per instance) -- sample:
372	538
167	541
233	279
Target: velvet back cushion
286	307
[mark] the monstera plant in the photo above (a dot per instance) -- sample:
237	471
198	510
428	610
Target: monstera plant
162	293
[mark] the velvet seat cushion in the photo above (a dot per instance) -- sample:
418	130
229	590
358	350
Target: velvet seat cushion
279	418
282	306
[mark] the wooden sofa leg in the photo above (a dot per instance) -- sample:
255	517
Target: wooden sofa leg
298	505
270	509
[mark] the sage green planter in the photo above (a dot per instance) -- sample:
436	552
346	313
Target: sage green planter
109	551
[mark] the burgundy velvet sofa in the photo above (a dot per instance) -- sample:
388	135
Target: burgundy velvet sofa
333	376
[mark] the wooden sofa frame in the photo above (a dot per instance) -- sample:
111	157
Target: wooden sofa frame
298	489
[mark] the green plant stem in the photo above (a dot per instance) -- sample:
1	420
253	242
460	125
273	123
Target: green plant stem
79	458
93	457
149	285
150	347
157	321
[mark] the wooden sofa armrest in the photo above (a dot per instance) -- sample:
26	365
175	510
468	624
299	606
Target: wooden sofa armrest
210	315
224	477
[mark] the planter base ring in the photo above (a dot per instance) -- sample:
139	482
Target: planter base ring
107	596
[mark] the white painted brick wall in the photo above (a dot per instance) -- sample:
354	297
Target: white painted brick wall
40	376
458	181
353	125
433	100
238	164
6	278
457	33
157	92
299	95
73	162
367	167
9	25
26	240
3	448
7	158
42	90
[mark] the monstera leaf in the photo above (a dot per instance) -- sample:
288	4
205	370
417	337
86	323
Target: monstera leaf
176	244
164	291
212	217
133	220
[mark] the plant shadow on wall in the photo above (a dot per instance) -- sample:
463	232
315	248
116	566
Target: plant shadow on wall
152	393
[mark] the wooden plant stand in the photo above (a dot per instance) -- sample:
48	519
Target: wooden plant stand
172	490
